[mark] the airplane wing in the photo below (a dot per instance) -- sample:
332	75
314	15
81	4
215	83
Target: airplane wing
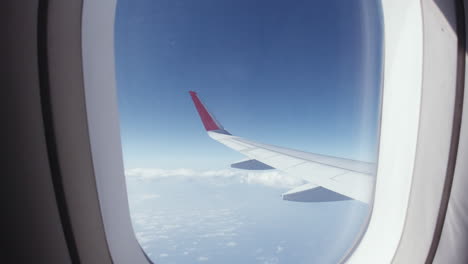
329	178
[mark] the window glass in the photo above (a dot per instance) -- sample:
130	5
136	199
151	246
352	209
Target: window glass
298	75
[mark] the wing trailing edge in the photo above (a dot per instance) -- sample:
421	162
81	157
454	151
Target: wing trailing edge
330	178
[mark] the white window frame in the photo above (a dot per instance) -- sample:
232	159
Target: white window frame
402	85
104	129
400	128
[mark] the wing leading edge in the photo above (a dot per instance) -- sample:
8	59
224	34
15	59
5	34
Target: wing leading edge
329	178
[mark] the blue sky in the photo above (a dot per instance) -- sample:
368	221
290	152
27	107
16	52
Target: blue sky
298	74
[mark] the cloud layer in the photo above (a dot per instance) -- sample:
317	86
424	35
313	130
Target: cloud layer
271	178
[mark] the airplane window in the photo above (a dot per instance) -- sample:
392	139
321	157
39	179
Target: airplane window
249	128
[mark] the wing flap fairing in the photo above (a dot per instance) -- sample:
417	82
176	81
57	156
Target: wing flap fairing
313	193
252	164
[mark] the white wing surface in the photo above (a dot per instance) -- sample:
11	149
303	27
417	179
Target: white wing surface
329	178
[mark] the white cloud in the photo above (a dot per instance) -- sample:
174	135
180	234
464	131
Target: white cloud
279	249
268	260
146	197
142	238
215	234
202	258
271	178
163	255
231	244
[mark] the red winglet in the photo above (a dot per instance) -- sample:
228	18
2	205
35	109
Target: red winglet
208	121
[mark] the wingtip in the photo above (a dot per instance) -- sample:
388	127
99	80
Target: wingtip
207	119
